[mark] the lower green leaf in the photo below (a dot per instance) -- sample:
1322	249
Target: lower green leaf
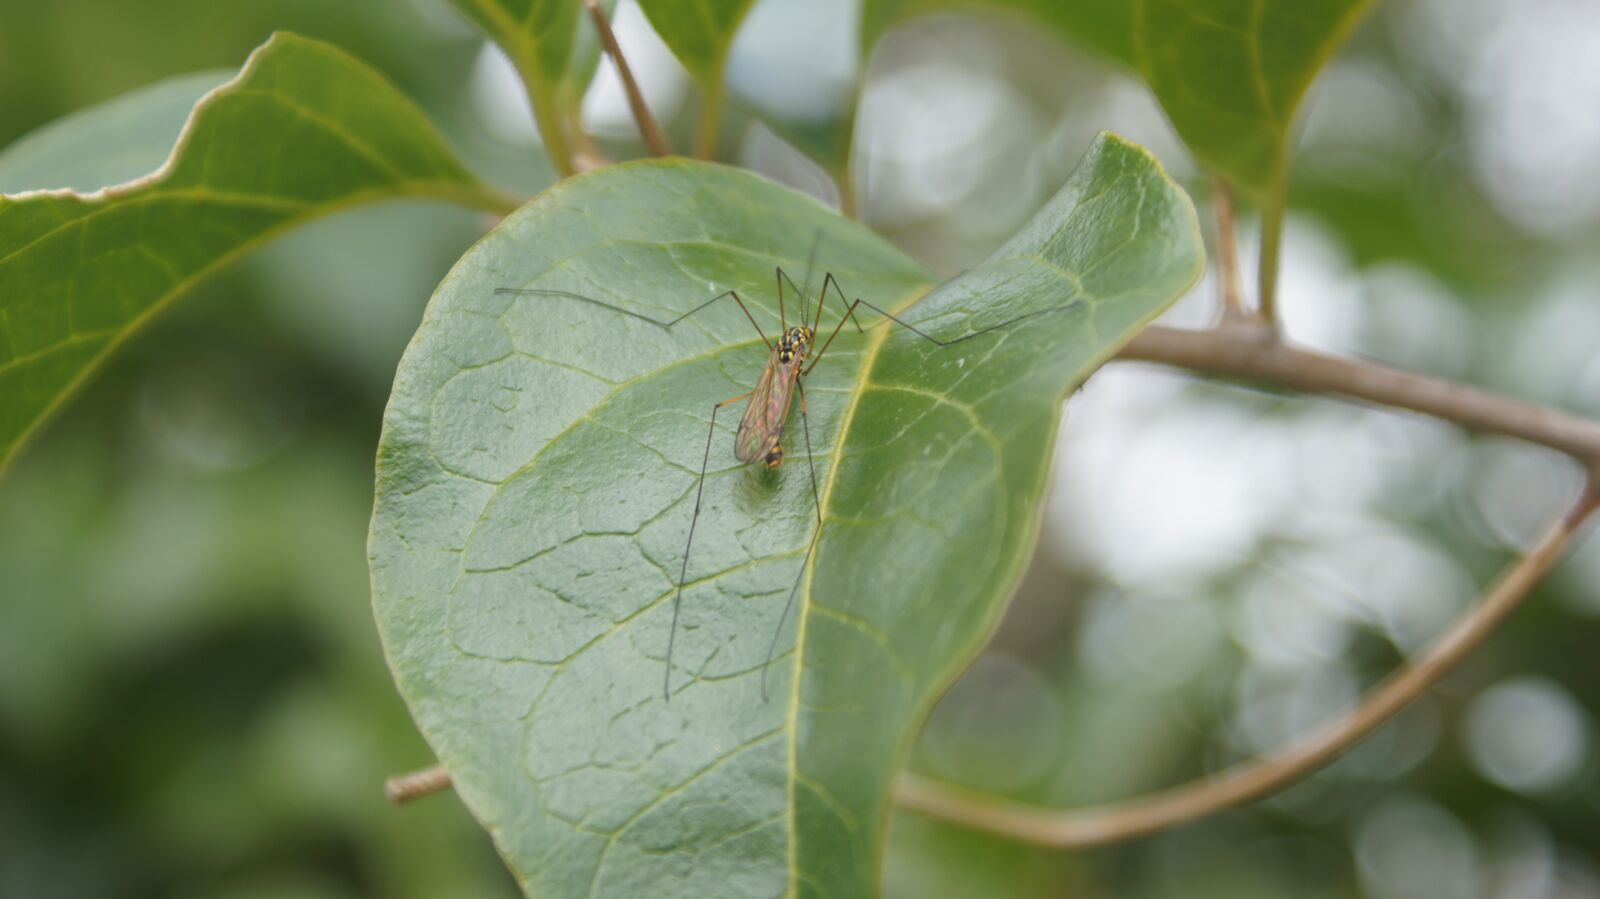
539	472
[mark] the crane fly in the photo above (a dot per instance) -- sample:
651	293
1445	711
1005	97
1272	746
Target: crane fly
760	435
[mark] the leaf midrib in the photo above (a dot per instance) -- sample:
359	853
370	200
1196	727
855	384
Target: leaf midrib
792	715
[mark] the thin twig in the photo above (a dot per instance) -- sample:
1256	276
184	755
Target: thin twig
648	129
1252	352
417	784
1250	780
1227	250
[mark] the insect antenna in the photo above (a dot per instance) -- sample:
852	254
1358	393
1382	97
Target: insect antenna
811	264
825	281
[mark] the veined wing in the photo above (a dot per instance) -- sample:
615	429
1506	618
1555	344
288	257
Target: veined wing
764	417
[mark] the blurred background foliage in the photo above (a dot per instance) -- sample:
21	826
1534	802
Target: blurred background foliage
192	700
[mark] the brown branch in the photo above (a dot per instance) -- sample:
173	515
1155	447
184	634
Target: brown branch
417	784
1071	829
1253	352
648	129
1227	250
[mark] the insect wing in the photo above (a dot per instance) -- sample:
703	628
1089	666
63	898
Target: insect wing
763	421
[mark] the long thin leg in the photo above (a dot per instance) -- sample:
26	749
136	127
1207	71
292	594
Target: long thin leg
828	278
665	325
849	312
929	337
816	499
677	599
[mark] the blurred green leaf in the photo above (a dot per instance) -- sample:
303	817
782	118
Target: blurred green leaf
538	34
537	476
106	144
303	131
554	54
1231	73
699	32
1102	25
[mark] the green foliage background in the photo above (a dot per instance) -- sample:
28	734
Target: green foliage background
192	701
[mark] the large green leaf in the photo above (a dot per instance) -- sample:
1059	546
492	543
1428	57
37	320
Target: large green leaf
555	54
1231	73
304	130
1103	25
537	477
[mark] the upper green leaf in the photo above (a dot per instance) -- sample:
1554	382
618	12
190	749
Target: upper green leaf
302	131
537	478
699	32
537	34
106	144
553	53
1231	73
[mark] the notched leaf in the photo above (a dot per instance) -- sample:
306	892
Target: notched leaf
537	478
304	130
117	141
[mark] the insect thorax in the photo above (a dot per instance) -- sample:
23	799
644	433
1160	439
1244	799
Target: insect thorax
794	343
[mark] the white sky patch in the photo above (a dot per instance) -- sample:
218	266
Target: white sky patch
1527	734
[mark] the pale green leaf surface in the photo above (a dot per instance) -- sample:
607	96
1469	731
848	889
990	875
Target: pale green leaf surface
1231	73
536	479
108	144
304	130
699	32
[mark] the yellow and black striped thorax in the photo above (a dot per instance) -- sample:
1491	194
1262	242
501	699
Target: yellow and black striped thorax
794	343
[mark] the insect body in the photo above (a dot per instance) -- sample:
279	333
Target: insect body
760	434
761	430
